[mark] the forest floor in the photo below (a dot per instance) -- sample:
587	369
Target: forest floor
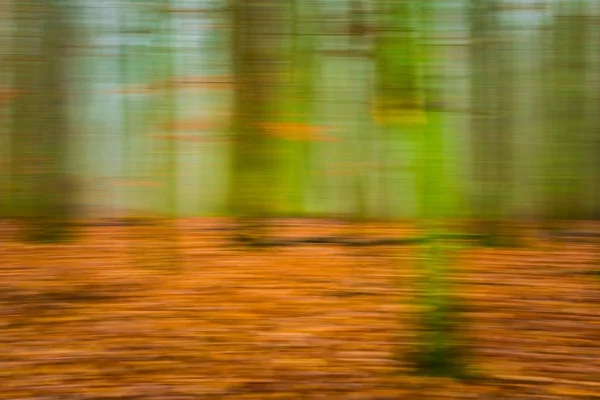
112	317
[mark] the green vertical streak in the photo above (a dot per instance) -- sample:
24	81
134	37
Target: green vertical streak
359	146
399	93
440	353
41	191
490	123
299	103
258	66
168	154
6	68
564	92
167	103
25	108
398	104
406	86
127	142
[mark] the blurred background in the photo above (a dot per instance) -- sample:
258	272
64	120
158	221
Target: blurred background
298	108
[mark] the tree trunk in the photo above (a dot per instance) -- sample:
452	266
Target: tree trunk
258	51
491	127
405	87
42	193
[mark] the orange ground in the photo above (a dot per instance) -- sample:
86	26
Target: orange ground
109	318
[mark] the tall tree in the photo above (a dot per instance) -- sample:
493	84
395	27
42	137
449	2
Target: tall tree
6	95
259	67
299	110
408	95
491	99
42	194
566	144
166	157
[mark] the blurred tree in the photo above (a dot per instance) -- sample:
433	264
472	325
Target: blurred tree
165	108
42	192
491	122
398	102
565	96
6	96
406	85
159	246
299	107
259	68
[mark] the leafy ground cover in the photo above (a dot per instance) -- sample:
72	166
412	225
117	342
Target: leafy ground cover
110	317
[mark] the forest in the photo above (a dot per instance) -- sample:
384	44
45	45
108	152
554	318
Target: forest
299	199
